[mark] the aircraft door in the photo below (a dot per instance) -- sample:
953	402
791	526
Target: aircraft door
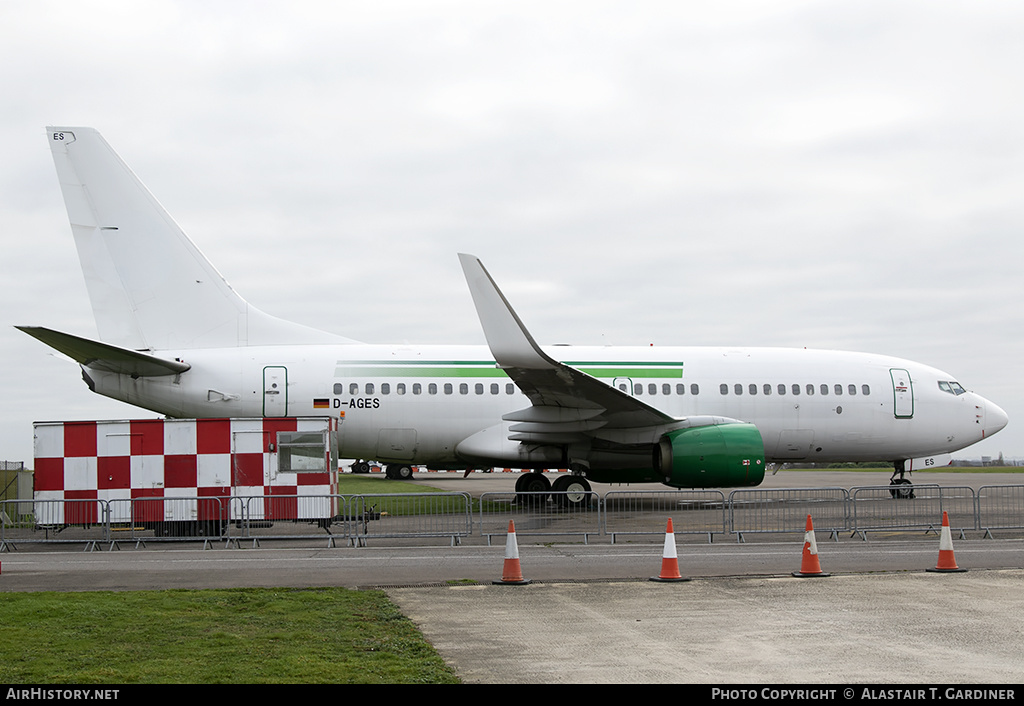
275	391
903	393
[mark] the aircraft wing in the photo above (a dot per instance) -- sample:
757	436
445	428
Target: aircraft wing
565	400
105	357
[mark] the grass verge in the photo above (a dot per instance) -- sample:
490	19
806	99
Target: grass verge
231	636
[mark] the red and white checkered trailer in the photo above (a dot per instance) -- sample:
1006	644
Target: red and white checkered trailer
186	477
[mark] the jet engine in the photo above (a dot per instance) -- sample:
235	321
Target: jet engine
716	456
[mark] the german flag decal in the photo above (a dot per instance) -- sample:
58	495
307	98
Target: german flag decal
321	403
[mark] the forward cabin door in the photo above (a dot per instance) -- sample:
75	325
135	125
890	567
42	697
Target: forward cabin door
903	393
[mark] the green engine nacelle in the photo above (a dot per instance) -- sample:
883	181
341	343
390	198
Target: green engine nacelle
720	456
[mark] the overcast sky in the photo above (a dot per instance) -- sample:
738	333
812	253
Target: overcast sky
823	174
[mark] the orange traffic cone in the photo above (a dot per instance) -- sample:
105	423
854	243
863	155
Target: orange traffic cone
669	560
809	566
947	563
512	573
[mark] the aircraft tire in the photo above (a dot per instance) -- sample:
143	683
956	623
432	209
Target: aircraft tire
573	492
535	486
905	491
403	472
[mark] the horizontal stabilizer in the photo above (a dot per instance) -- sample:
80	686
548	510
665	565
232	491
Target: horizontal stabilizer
105	357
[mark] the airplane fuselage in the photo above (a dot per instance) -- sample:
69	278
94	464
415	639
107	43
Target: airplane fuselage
176	338
405	404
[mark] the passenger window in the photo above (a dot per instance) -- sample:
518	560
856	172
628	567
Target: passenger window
448	388
652	389
385	388
738	388
510	388
353	388
752	389
767	388
839	389
463	388
865	389
494	388
432	388
852	389
810	389
796	389
782	388
723	388
400	388
824	389
680	388
339	389
369	388
694	389
417	388
638	389
479	388
666	389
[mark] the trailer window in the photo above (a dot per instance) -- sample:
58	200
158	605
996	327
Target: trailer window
302	452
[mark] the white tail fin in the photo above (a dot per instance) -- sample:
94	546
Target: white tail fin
150	287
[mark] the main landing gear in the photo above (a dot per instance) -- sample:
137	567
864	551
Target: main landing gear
397	471
902	488
572	492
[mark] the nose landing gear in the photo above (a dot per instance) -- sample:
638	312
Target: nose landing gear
902	488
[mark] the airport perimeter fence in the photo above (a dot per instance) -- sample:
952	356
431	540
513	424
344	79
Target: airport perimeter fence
618	515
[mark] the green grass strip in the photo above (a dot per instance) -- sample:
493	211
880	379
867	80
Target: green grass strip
231	636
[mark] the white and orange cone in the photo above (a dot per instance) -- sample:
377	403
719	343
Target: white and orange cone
669	559
947	562
809	565
512	574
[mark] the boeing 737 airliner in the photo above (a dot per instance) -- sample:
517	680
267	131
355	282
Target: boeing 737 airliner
178	340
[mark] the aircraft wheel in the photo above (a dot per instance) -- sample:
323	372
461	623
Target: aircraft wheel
403	472
536	485
576	491
903	489
360	467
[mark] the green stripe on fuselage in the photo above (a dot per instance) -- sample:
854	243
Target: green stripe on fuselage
485	369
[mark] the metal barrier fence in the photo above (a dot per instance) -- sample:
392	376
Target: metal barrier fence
1000	507
409	515
692	512
256	517
358	518
876	508
786	509
540	513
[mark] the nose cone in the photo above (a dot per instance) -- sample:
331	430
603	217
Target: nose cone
995	418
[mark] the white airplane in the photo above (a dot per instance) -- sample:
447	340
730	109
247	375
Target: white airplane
178	340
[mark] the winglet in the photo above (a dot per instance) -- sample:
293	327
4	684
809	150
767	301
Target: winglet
511	344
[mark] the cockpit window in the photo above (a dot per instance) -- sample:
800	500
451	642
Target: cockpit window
953	388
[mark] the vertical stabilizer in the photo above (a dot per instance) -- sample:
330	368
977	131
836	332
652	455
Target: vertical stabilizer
150	287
